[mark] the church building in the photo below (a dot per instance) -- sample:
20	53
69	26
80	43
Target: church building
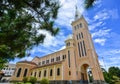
70	64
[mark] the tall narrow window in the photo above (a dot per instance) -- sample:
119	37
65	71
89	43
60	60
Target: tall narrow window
69	73
31	73
47	61
56	58
75	58
45	73
80	25
69	58
63	57
77	37
58	71
59	58
51	72
79	49
43	62
81	34
39	73
68	44
35	74
25	73
52	60
19	72
84	48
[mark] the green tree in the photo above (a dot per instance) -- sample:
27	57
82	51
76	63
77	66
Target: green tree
33	80
88	3
114	71
44	81
107	77
25	79
112	76
20	23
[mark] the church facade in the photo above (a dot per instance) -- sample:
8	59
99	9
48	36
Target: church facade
69	64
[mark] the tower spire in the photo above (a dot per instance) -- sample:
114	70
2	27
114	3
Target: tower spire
77	13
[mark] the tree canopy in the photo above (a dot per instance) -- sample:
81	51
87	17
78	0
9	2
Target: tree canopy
114	71
88	3
113	75
20	23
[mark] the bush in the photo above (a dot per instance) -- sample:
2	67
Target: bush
33	80
25	79
44	81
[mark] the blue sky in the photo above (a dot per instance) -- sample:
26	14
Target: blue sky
104	24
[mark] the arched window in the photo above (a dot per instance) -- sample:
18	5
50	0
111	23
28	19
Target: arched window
80	25
31	73
81	34
69	73
19	72
39	73
51	72
35	74
69	58
25	72
58	71
45	73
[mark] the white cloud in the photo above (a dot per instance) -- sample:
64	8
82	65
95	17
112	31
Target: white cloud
102	15
52	40
116	51
101	33
113	61
51	43
65	17
101	63
106	14
27	58
22	59
95	25
109	57
100	41
98	3
114	13
67	12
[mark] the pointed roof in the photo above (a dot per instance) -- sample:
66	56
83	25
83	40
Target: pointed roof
77	13
28	62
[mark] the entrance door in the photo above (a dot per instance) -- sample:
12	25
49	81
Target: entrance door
82	76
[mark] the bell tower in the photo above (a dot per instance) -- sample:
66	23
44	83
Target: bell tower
85	52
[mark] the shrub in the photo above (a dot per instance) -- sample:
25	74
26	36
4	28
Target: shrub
25	79
33	80
44	81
